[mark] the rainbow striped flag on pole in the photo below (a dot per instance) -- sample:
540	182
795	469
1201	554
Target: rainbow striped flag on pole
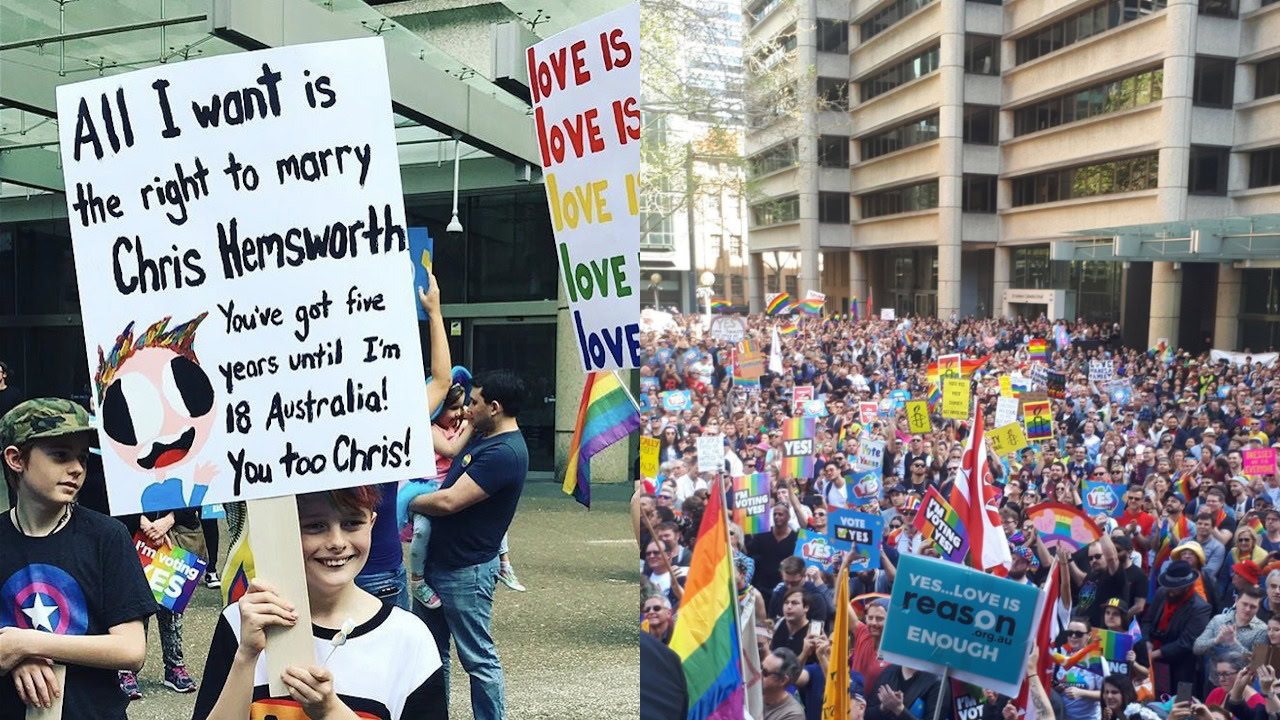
606	415
719	305
779	304
811	306
706	632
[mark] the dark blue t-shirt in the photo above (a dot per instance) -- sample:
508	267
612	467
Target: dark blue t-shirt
498	464
385	552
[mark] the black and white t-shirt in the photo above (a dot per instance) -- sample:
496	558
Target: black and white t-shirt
388	669
83	579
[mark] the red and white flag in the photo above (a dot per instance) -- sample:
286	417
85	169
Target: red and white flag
972	498
1046	631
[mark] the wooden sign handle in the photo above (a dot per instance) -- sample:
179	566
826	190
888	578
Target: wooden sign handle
276	540
53	712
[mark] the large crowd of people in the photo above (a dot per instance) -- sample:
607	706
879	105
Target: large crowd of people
1190	569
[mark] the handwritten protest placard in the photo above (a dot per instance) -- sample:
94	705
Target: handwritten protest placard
1039	376
947	617
1007	438
649	447
710	453
172	572
1259	461
918	417
1100	370
245	287
870	453
955	398
1006	410
1006	386
751	509
859	533
585	83
939	522
728	328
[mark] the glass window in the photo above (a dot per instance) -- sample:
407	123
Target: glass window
979	194
780	156
982	54
922	196
903	136
889	16
980	124
507	231
1131	91
833	93
1219	8
1264	168
1082	25
833	151
833	36
1268	78
1208	170
779	210
900	74
1125	174
1214	82
833	207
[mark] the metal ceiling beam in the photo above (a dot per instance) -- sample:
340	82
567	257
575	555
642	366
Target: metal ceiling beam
419	90
29	88
98	32
1224	249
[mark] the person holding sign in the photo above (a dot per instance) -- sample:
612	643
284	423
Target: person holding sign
374	659
470	514
71	588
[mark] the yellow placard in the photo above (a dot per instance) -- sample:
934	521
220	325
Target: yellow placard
918	416
955	398
649	456
1006	386
1007	438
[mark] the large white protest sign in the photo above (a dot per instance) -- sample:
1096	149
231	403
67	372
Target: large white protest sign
1006	411
586	86
245	285
710	453
1100	370
871	454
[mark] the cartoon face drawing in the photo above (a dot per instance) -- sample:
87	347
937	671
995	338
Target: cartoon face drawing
157	408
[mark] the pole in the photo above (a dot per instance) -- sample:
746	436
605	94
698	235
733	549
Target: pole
942	687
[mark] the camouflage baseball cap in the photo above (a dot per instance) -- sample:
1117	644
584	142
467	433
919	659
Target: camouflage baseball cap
42	418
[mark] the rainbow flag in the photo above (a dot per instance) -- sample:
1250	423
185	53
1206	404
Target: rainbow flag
789	329
1183	487
800	466
780	303
1089	657
1168	539
719	305
1254	524
853	308
1114	646
751	509
706	632
812	306
606	415
1036	349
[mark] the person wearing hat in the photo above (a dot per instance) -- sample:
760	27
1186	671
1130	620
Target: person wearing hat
1177	617
1115	618
73	572
1192	553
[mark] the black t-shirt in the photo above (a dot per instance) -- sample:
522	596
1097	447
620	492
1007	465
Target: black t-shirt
768	552
1138	584
388	669
1099	587
783	638
82	580
498	464
10	397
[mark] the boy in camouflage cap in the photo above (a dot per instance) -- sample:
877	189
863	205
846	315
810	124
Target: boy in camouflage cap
71	587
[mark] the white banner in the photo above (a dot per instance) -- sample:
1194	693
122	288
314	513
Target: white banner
710	453
1238	358
871	454
1100	370
586	86
244	276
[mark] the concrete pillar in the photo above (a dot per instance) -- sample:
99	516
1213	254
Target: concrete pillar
1175	115
807	175
1226	321
951	153
755	283
1166	297
1002	273
858	284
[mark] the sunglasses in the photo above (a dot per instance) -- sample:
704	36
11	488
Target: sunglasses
1076	633
655	608
1095	557
653	553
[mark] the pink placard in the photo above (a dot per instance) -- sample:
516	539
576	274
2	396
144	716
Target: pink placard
1260	462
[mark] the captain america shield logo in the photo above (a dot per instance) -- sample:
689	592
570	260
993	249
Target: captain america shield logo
43	597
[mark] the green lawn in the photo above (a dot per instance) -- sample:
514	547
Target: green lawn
568	645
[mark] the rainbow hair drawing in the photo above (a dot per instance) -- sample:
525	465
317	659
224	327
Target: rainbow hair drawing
179	339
